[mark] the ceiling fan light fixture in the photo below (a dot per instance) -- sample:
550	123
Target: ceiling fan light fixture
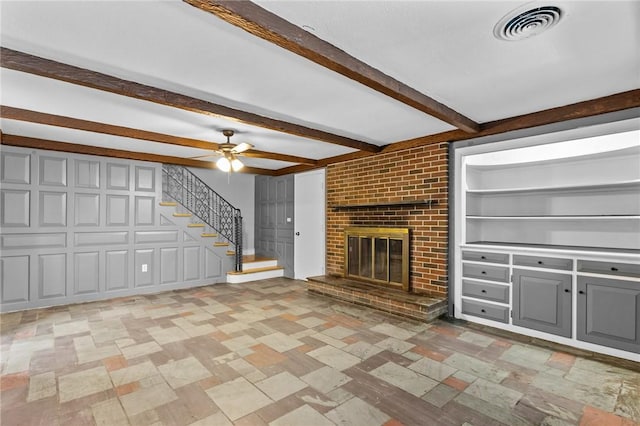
223	164
236	165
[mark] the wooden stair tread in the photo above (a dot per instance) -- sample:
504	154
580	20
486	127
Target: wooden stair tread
231	253
182	215
252	270
195	225
248	258
208	234
220	244
168	203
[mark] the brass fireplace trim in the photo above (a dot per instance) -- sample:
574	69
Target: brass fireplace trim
401	234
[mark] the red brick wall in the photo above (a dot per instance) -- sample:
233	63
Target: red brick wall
412	174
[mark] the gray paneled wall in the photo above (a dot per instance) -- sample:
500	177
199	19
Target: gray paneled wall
77	228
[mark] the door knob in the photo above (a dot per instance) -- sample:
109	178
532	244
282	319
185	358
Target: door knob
297	234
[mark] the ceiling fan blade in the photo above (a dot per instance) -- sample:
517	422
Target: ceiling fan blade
242	147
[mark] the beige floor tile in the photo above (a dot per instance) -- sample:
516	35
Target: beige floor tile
329	340
339	332
280	342
493	393
233	397
476	367
69	328
395	345
147	398
109	413
476	339
86	350
131	352
133	373
356	412
334	357
281	385
42	386
363	350
304	415
431	368
326	379
249	371
311	322
241	342
167	335
403	378
393	331
182	372
83	383
217	419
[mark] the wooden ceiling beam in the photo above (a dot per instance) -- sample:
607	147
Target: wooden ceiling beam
274	29
590	108
24	62
27	142
30	116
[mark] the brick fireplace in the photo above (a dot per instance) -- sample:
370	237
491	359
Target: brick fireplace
399	189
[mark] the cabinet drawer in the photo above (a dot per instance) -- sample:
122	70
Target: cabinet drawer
609	268
486	272
495	292
485	310
543	262
480	256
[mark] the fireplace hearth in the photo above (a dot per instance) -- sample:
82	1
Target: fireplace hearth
378	256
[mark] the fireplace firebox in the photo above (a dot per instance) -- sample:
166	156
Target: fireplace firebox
378	256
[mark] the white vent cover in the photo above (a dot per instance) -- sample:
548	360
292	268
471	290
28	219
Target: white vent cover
518	25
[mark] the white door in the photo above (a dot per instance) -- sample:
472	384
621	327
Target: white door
309	213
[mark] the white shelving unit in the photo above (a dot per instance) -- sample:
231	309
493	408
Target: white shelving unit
529	215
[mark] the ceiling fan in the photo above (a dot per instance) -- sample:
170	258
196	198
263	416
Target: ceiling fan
228	151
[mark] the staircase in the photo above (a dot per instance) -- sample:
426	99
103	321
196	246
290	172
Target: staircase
200	208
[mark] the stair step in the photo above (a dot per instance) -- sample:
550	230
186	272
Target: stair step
253	262
182	215
255	270
220	244
168	203
231	253
208	234
195	225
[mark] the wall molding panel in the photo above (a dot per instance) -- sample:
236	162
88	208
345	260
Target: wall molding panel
78	228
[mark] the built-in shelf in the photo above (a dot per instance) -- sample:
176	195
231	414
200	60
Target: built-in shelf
565	217
562	188
404	203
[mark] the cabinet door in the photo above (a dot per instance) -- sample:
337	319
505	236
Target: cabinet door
609	313
542	301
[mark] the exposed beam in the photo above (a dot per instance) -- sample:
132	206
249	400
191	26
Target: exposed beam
269	26
24	62
27	142
30	116
603	105
20	114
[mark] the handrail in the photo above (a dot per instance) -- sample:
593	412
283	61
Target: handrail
193	194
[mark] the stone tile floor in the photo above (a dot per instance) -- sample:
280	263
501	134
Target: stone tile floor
269	353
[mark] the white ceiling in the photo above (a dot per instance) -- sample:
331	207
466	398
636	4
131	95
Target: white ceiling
444	49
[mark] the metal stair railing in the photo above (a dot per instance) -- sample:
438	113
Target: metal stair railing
193	194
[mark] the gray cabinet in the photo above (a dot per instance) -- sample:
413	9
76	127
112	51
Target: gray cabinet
542	301
609	312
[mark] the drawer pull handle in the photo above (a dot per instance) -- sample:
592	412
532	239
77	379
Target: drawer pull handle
484	272
483	257
540	262
581	292
566	290
482	310
614	269
483	291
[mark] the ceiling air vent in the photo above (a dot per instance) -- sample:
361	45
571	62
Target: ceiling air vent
518	25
